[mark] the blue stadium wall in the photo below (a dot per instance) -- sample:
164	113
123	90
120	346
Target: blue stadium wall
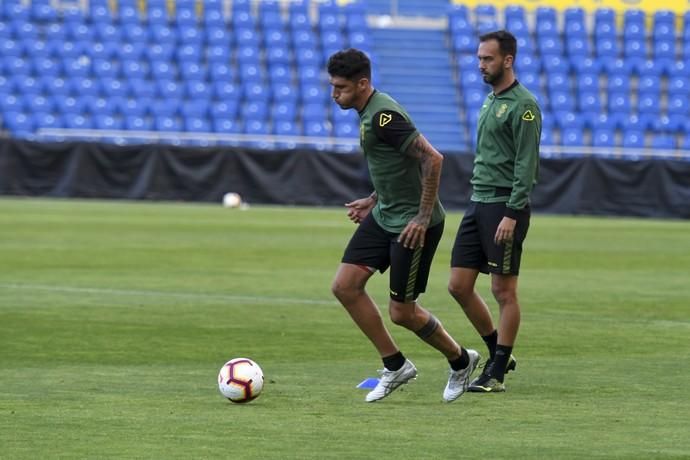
582	185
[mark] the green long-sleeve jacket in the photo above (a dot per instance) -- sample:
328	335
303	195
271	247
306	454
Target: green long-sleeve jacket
506	164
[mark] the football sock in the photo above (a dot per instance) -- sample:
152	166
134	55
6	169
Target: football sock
462	362
490	341
501	361
394	362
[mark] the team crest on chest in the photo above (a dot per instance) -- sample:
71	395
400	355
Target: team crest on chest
501	110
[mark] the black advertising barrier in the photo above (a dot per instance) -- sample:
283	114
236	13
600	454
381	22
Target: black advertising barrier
585	185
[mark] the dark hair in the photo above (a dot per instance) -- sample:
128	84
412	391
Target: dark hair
506	41
352	64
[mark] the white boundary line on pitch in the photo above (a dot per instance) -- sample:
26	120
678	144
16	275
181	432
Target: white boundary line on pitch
183	295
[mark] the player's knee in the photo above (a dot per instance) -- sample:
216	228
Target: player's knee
460	291
342	290
504	295
400	313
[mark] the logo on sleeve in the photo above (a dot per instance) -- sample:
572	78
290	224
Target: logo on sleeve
384	119
528	115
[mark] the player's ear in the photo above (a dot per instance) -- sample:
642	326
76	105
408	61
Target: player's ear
362	84
508	61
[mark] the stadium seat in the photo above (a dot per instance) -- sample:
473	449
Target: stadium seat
633	139
603	138
572	137
284	111
663	141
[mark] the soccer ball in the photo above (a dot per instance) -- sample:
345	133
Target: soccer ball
240	380
232	200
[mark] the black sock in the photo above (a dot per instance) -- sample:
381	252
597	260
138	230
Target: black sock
490	341
501	361
394	362
462	362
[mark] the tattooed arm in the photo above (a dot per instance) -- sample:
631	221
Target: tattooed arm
431	160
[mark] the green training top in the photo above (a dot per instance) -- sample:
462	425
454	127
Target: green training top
507	158
385	133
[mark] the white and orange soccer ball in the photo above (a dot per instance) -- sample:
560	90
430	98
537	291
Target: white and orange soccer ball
240	380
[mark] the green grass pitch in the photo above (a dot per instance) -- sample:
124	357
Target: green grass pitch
116	316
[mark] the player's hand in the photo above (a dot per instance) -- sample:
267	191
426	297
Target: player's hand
359	209
505	230
413	234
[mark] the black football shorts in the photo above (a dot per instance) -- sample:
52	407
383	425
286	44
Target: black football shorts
372	246
474	244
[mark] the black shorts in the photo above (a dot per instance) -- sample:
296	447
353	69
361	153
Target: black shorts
474	244
374	247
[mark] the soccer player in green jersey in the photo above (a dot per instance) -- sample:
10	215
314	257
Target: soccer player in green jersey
496	221
399	226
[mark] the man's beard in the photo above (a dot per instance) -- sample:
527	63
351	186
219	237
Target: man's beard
491	79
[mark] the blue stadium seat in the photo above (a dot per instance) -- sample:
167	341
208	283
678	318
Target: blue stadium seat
284	92
131	106
549	45
163	70
169	89
606	47
53	86
586	65
568	119
195	89
226	126
648	103
554	63
168	107
256	92
634	25
139	88
577	47
286	128
167	124
107	122
678	104
254	110
76	120
313	93
277	55
218	36
280	73
633	139
19	124
224	109
218	54
185	16
316	128
558	81
665	49
523	62
197	125
619	102
663	141
193	71
224	90
572	137
604	23
284	111
464	43
46	120
198	108
589	102
635	48
618	83
603	138
678	85
562	101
